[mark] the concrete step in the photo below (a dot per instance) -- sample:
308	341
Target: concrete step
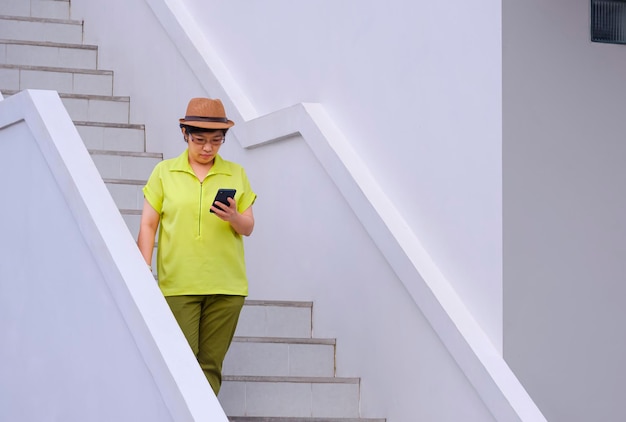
97	109
112	136
68	81
41	29
281	378
274	356
98	135
57	9
126	165
285	319
127	194
290	396
48	54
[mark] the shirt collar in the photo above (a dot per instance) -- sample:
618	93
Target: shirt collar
181	163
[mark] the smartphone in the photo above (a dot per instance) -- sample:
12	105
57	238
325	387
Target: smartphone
222	196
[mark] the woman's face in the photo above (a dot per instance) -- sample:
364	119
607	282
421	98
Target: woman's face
203	146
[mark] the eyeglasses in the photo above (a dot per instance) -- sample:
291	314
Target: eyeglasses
218	140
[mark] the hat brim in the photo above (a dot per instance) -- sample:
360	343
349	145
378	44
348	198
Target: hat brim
207	125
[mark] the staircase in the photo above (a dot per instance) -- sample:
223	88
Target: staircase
40	48
275	370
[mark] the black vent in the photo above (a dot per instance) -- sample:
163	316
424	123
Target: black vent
608	21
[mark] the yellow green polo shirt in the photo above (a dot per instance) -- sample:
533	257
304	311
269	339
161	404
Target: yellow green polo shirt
198	253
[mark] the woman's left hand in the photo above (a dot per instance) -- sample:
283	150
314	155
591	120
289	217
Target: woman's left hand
242	223
226	213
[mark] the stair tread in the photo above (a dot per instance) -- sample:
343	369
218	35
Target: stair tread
111	125
81	96
126	181
285	303
50	44
129	212
292	379
43	20
157	155
56	69
95	97
291	340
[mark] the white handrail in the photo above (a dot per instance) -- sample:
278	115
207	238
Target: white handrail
466	341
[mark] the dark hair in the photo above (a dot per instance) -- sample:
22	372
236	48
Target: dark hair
193	129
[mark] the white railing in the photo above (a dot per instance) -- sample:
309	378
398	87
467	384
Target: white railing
466	341
69	213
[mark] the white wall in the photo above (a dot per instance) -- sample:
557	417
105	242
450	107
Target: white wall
414	86
308	244
416	89
564	207
382	337
85	332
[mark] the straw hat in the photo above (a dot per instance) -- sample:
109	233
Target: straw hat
206	113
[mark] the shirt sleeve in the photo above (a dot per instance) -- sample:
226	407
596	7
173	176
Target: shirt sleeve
153	190
248	196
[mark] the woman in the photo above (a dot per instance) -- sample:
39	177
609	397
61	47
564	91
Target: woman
200	257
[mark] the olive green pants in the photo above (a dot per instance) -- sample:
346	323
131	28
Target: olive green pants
208	323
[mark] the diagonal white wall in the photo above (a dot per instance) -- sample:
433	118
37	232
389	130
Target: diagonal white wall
85	332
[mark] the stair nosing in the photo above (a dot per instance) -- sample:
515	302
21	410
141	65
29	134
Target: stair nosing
156	155
291	379
111	125
57	69
124	99
279	303
134	126
290	340
126	211
135	182
50	44
42	20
